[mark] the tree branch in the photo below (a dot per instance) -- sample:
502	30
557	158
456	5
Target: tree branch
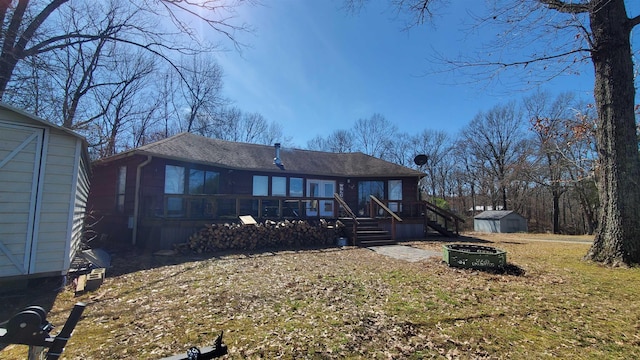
568	8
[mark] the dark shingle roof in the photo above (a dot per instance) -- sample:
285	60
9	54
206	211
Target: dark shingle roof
493	214
199	149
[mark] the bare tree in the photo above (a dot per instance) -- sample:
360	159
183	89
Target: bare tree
318	143
340	141
569	32
33	28
119	108
496	139
230	123
401	151
436	145
374	136
274	134
226	124
550	167
201	93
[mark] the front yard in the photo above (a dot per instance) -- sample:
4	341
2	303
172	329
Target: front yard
354	303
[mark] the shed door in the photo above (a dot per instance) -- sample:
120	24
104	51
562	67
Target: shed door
20	154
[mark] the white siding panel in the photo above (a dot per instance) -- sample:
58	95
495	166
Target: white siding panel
80	202
57	195
19	161
44	186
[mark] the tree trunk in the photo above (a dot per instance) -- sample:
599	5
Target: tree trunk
555	194
617	240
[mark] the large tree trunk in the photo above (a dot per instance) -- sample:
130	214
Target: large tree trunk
617	240
555	194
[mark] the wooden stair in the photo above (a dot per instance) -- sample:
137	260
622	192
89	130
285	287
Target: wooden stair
441	229
368	232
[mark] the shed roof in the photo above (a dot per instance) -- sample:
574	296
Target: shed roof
189	147
494	214
41	121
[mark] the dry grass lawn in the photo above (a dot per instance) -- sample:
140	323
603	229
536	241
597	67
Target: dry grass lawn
354	303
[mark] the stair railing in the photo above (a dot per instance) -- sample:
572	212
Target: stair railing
350	213
446	215
394	216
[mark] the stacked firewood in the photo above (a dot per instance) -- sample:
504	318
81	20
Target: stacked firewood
288	234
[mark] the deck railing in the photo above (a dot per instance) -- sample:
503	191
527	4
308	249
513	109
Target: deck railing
222	207
394	216
432	214
349	213
229	207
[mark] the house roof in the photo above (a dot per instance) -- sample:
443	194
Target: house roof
244	156
494	214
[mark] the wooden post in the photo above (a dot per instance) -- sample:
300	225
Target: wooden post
393	228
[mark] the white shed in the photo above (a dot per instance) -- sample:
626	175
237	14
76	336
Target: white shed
499	221
44	184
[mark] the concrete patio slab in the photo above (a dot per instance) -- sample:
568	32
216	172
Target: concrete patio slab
403	252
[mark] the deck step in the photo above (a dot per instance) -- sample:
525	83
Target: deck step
369	233
441	229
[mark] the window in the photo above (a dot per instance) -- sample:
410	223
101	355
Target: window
175	206
366	188
324	190
173	180
121	186
180	181
395	193
295	187
260	185
278	186
203	182
174	184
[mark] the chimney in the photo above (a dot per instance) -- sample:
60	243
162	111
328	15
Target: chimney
276	160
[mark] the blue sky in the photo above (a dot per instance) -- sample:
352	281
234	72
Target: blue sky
315	68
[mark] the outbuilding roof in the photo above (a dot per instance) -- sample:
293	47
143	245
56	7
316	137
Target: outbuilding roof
5	106
494	214
189	147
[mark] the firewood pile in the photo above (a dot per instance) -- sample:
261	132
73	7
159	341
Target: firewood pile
267	234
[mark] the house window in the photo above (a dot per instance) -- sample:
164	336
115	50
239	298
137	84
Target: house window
260	185
278	186
203	182
395	193
295	187
174	184
121	186
366	188
174	180
324	190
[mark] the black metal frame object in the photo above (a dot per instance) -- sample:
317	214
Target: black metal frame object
30	327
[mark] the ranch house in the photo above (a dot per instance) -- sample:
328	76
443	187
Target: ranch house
160	193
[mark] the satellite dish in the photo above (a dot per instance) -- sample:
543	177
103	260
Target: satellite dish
420	159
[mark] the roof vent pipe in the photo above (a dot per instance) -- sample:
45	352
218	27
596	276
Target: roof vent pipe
276	160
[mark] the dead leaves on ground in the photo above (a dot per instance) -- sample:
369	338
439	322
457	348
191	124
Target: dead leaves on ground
356	304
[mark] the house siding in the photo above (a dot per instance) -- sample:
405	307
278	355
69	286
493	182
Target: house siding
104	217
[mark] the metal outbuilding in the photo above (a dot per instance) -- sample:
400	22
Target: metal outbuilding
499	221
44	185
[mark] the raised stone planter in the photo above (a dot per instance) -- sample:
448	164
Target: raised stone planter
474	256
